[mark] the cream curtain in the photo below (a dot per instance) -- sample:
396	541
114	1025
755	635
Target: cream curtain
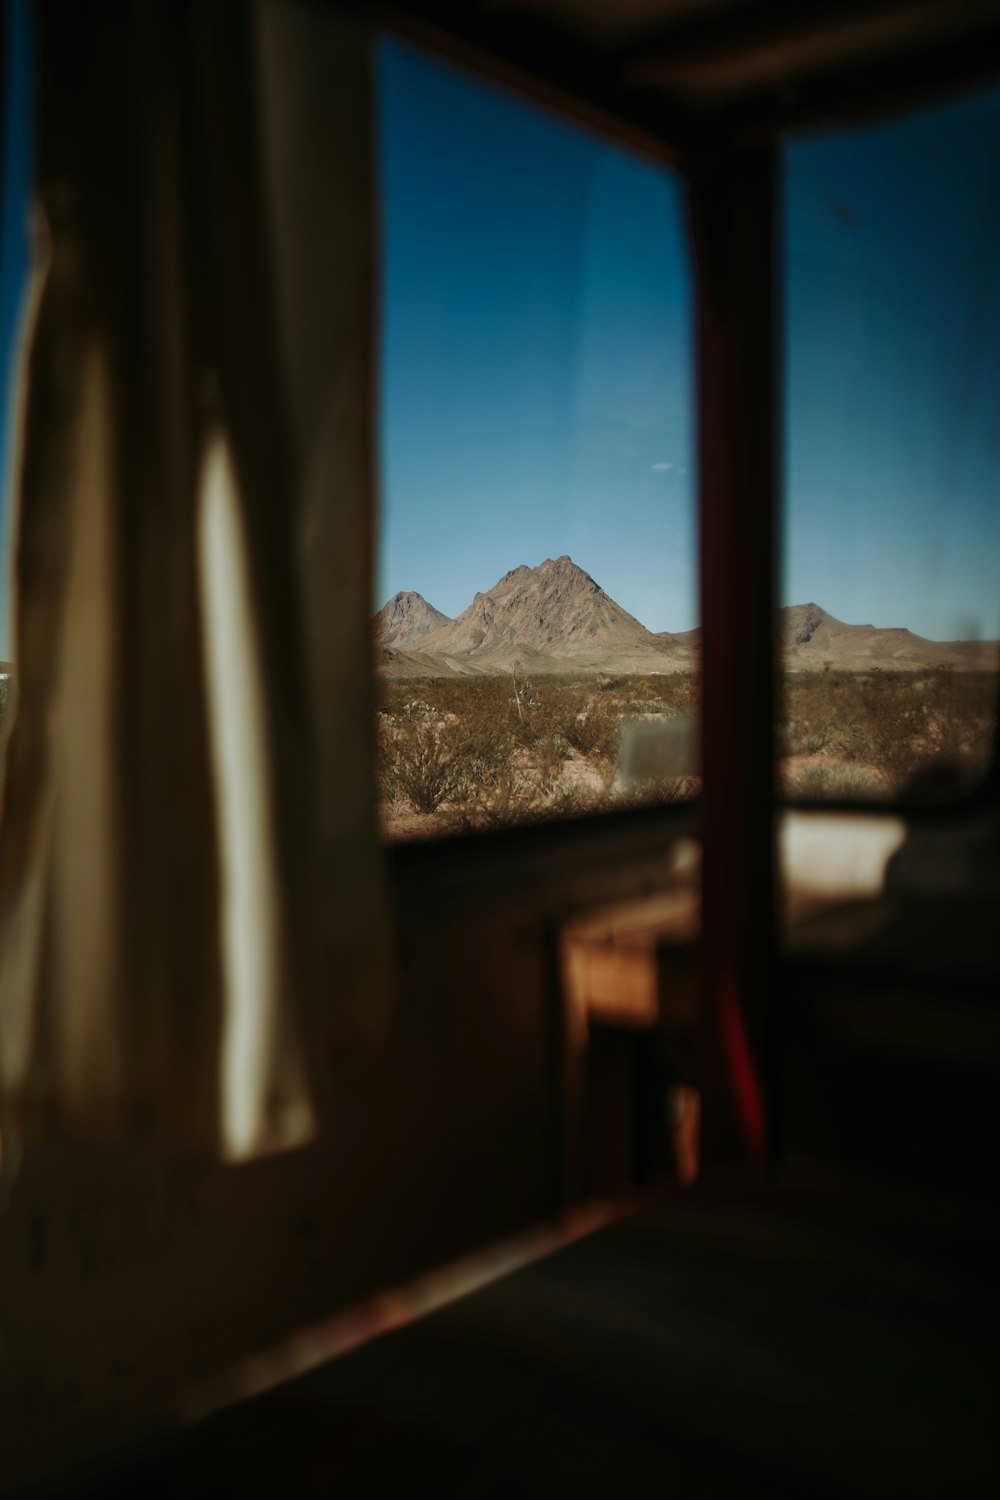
192	916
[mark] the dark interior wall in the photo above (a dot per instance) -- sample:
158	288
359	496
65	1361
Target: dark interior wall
889	1017
129	1275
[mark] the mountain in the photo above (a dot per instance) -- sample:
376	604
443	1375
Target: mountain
406	618
809	638
550	618
556	618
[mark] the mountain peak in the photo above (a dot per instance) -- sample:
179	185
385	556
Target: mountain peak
565	569
405	618
541	616
801	622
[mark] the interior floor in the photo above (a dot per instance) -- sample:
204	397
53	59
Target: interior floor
803	1337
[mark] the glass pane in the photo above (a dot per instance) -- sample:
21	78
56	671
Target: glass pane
892	458
537	567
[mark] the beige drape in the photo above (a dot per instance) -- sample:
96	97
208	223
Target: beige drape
191	909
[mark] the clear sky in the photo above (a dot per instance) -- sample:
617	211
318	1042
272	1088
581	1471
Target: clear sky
892	339
537	364
536	351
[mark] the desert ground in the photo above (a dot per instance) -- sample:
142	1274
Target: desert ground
462	753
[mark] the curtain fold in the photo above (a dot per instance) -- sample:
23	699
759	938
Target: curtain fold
322	217
204	338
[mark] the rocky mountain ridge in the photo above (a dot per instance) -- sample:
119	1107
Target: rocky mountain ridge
556	618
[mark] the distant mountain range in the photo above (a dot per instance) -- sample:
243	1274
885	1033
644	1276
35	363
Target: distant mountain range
555	618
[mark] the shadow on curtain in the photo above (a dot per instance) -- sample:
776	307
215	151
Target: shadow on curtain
191	907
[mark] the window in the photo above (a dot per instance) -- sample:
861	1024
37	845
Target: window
892	457
535	636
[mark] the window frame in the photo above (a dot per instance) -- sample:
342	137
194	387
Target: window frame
559	84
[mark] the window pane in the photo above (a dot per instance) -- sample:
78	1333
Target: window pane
892	459
535	643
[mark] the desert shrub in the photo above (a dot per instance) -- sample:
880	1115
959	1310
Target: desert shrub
511	797
420	761
804	737
896	724
962	715
654	791
485	748
593	731
550	758
820	779
576	801
888	725
539	720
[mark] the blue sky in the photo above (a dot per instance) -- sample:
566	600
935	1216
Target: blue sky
536	389
536	351
892	359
